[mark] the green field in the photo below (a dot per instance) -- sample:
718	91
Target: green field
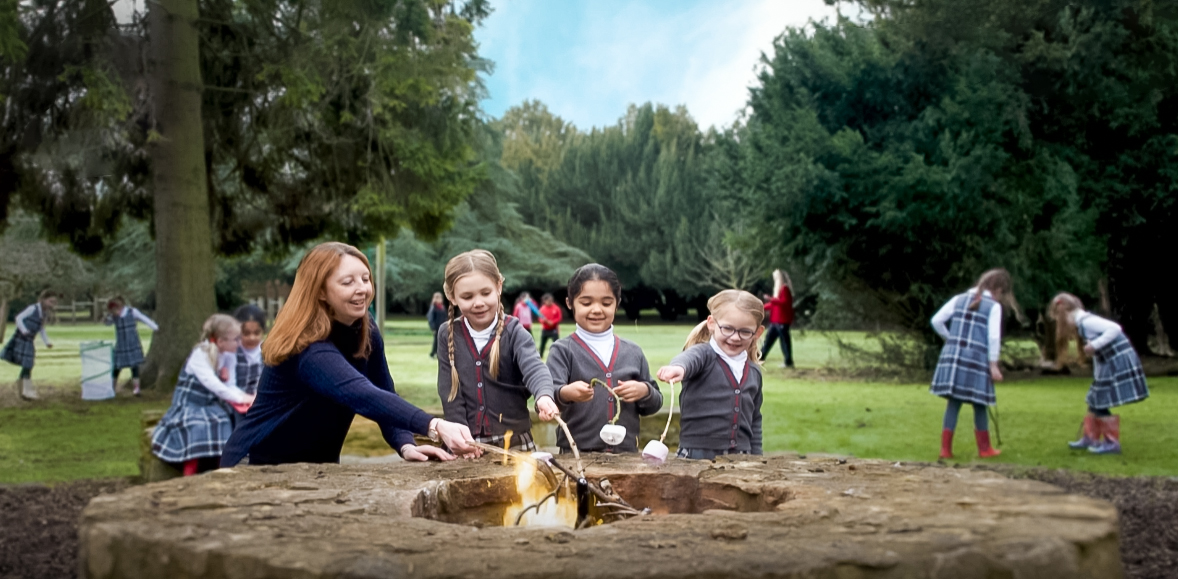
64	438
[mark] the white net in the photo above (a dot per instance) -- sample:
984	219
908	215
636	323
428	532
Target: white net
97	363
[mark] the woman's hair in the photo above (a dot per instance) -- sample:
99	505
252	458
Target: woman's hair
717	304
547	298
478	261
780	280
593	272
116	301
251	313
214	328
437	296
306	317
1060	309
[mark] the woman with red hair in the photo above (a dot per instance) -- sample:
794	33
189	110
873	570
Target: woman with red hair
325	363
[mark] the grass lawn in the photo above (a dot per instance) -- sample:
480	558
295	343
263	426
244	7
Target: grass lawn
64	438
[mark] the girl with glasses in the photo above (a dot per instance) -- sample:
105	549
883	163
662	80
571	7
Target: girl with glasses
720	409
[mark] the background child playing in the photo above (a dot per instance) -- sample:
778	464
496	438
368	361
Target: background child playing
780	306
20	349
971	324
719	370
524	308
550	317
247	371
128	348
594	351
1118	378
491	366
195	428
435	318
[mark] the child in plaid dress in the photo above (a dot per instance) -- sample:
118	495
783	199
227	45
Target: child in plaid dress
971	324
20	349
1118	378
491	366
196	427
248	360
128	348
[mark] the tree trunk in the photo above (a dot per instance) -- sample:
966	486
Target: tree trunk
183	234
3	320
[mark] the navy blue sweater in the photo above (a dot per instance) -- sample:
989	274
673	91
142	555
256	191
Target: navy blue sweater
306	404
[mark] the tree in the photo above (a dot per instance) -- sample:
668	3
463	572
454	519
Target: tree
31	264
347	119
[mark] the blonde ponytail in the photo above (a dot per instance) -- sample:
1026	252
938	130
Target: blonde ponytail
700	334
493	359
216	326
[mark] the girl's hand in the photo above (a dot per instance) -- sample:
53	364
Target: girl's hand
223	373
632	390
671	373
457	437
49	345
1089	350
577	391
424	452
995	373
546	408
242	407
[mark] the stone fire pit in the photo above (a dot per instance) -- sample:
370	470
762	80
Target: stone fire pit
779	516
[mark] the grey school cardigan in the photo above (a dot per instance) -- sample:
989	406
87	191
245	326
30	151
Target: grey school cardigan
492	406
571	360
717	413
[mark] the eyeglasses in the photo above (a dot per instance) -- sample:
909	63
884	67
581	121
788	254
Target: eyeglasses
744	333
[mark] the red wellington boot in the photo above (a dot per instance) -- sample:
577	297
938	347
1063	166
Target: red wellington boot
984	448
946	443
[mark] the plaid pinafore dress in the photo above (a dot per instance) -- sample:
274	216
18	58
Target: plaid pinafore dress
20	350
247	374
1119	377
128	348
963	370
197	425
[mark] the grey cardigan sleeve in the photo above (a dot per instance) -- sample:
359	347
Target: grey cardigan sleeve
654	399
559	366
755	443
537	379
692	360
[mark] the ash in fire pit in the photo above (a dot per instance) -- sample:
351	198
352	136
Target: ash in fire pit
775	516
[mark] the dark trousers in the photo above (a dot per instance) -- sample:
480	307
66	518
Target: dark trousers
115	373
433	347
980	420
787	346
546	335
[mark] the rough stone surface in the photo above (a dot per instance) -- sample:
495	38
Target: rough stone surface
779	516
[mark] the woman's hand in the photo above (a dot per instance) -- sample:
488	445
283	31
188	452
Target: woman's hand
995	373
632	390
671	373
1089	350
577	391
457	437
423	453
546	408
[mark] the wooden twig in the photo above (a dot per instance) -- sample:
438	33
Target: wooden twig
573	444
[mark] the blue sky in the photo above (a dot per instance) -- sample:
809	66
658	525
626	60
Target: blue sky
588	59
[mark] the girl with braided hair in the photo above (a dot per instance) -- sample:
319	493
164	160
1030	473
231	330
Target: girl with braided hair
490	367
971	324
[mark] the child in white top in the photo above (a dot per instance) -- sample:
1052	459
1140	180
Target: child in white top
1118	378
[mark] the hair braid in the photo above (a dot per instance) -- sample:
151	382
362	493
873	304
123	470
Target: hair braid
494	358
450	348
